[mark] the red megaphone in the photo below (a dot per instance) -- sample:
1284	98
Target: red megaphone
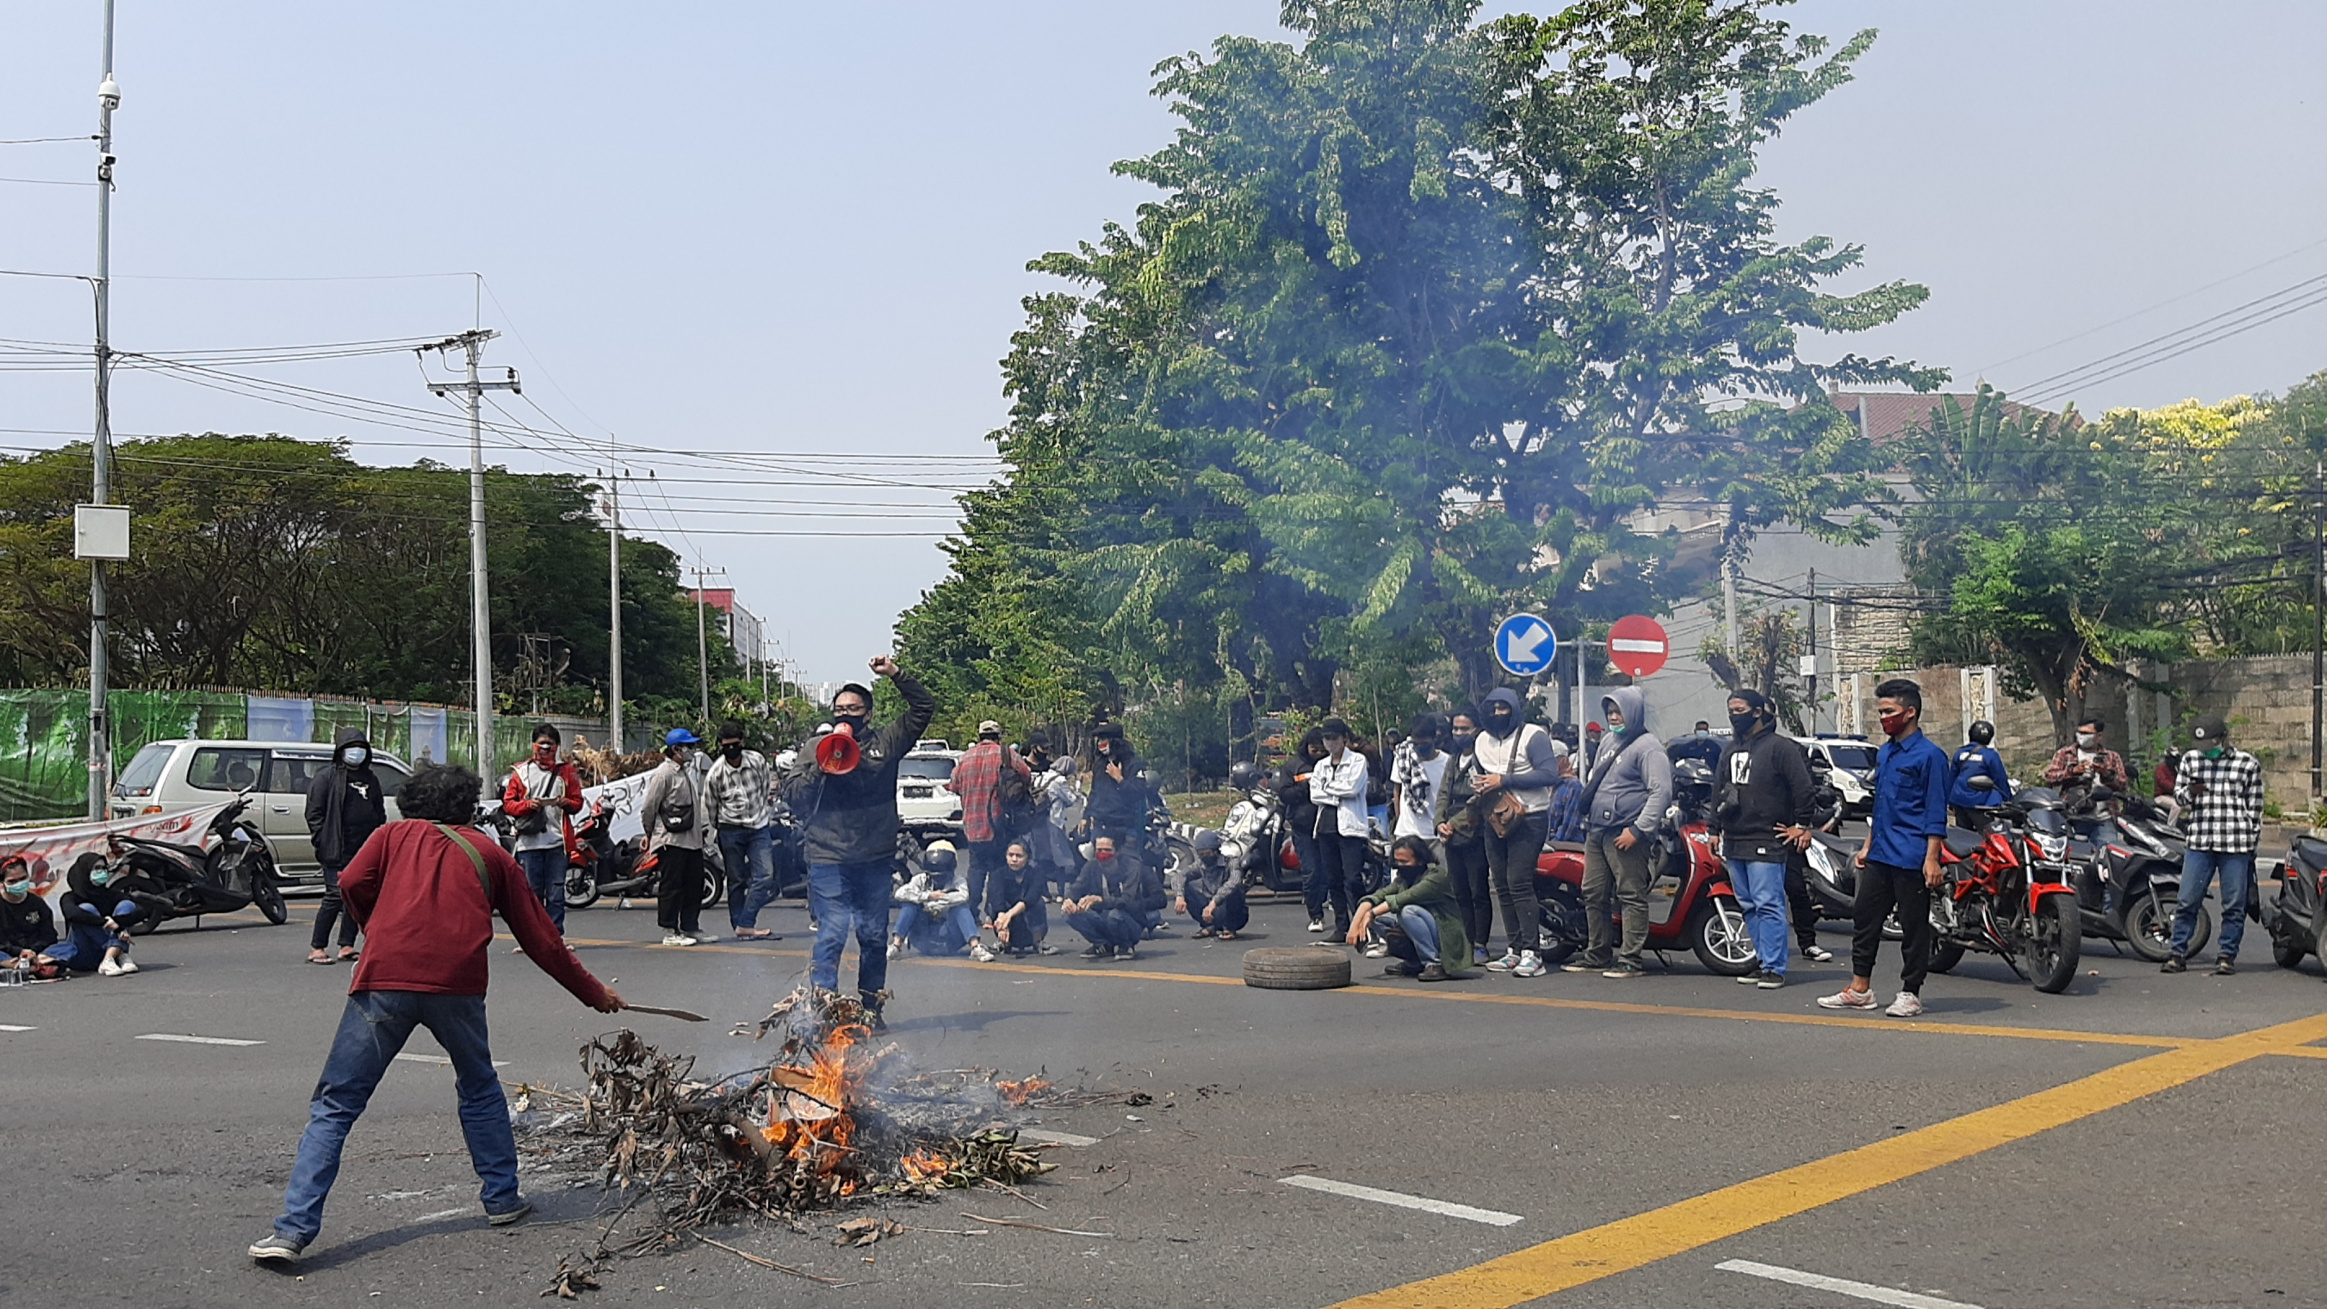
838	753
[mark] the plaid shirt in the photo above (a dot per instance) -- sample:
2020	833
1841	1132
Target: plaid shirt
1566	822
741	794
977	779
2227	819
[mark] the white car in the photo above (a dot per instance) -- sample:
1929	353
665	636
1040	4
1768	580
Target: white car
168	776
922	800
1853	761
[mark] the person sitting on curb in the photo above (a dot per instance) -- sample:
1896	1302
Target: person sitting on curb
1107	903
1213	893
936	917
1021	920
100	914
1416	916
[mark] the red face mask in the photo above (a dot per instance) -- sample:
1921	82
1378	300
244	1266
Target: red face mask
1893	724
1102	855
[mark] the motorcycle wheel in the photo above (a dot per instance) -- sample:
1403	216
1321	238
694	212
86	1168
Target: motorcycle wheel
2286	953
1718	935
581	888
1946	953
2059	942
2149	928
1556	940
714	887
269	897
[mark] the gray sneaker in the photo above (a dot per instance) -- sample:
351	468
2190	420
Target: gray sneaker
509	1217
1625	970
276	1248
1769	981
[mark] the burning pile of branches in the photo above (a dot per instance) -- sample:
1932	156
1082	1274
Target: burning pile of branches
834	1117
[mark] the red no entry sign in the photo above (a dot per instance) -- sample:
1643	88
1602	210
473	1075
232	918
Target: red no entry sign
1637	645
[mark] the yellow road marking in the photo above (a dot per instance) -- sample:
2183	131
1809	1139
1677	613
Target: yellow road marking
1604	1251
2066	1034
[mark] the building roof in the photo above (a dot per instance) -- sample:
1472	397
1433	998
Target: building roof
1890	413
721	598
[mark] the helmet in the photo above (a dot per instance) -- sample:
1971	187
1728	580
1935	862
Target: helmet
939	857
1242	775
1983	732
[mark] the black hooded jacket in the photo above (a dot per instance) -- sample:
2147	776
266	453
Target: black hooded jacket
344	803
27	924
1119	808
851	818
84	901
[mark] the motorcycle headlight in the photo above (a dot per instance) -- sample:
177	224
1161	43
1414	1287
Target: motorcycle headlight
2051	845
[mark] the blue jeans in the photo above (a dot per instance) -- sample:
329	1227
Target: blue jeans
1416	940
750	856
84	944
939	933
545	872
2198	869
1108	927
372	1029
846	895
1761	893
1229	913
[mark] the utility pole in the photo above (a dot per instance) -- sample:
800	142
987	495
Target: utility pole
2318	623
1729	632
614	600
702	639
101	441
472	343
1810	679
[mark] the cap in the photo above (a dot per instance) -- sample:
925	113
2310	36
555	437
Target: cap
1207	841
680	736
989	728
2210	728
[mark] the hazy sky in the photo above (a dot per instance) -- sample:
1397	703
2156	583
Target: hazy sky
784	228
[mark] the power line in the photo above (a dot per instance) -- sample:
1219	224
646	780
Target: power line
1984	369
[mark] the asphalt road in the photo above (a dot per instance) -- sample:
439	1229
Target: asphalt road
2146	1150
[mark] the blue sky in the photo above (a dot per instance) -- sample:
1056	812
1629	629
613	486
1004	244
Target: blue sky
782	227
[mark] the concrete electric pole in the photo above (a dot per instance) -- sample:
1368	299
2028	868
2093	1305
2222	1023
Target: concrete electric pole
480	613
101	442
614	606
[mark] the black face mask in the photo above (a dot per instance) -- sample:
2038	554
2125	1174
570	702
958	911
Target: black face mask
855	718
1743	724
1500	720
733	750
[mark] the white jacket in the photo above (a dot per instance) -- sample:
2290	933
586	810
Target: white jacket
934	899
1340	788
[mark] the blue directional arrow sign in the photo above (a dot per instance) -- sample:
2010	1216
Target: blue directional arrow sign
1525	644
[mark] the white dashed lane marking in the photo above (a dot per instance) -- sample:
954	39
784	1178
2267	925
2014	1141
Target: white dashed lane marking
1492	1217
1055	1138
1840	1286
12	1027
196	1040
445	1060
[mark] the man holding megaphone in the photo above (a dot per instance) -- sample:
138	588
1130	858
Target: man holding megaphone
846	787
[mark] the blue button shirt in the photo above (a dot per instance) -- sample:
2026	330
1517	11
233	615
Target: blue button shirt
1911	780
1979	761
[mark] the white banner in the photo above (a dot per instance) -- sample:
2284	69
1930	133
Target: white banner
51	850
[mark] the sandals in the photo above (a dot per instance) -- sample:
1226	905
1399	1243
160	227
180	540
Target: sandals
347	956
319	957
755	934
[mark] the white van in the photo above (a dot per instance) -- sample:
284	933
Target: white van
167	776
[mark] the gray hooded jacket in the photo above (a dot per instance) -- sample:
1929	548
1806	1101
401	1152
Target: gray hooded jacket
1632	779
1529	766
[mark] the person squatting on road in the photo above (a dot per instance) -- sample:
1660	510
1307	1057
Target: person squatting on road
677	822
2219	787
995	787
1899	863
1517	771
1337	783
1462	835
1021	919
936	917
1212	894
1416	916
345	805
1763	815
425	890
740	791
1112	901
1624	805
850	821
543	795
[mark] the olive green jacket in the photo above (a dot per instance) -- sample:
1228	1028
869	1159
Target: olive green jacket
1434	892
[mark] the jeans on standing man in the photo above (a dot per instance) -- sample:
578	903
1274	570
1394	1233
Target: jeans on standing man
750	856
2220	787
545	872
851	898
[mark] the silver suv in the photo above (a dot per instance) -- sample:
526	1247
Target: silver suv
922	800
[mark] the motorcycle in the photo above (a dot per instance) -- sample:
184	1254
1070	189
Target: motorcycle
232	869
1254	840
1690	902
2126	865
2297	917
599	866
2006	893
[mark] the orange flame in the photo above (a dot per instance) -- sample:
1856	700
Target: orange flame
808	1116
924	1166
1021	1092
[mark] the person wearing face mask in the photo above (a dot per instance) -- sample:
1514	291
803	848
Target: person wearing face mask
1417	773
1625	798
543	795
1213	894
1415	917
2220	790
741	793
1763	816
27	927
345	805
2088	761
936	916
676	819
1564	821
100	913
1461	828
1021	920
1110	902
1898	866
1700	744
1517	770
851	832
1338	784
1977	757
994	785
1292	787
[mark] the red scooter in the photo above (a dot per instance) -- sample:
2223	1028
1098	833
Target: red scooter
1690	902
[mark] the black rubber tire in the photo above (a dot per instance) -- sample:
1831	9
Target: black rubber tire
1946	953
1718	935
2149	928
2286	954
2059	944
269	897
581	888
1309	969
714	887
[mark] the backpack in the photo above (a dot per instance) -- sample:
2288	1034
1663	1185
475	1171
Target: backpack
1013	801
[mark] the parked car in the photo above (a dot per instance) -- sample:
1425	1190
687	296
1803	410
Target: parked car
1852	759
922	800
167	776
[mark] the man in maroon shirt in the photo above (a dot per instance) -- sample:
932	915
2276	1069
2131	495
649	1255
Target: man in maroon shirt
425	890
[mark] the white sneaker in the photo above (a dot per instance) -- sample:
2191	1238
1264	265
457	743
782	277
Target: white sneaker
675	938
1377	951
1908	1005
108	967
1316	924
1509	961
1847	998
128	965
1529	965
704	938
1817	954
896	949
979	952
